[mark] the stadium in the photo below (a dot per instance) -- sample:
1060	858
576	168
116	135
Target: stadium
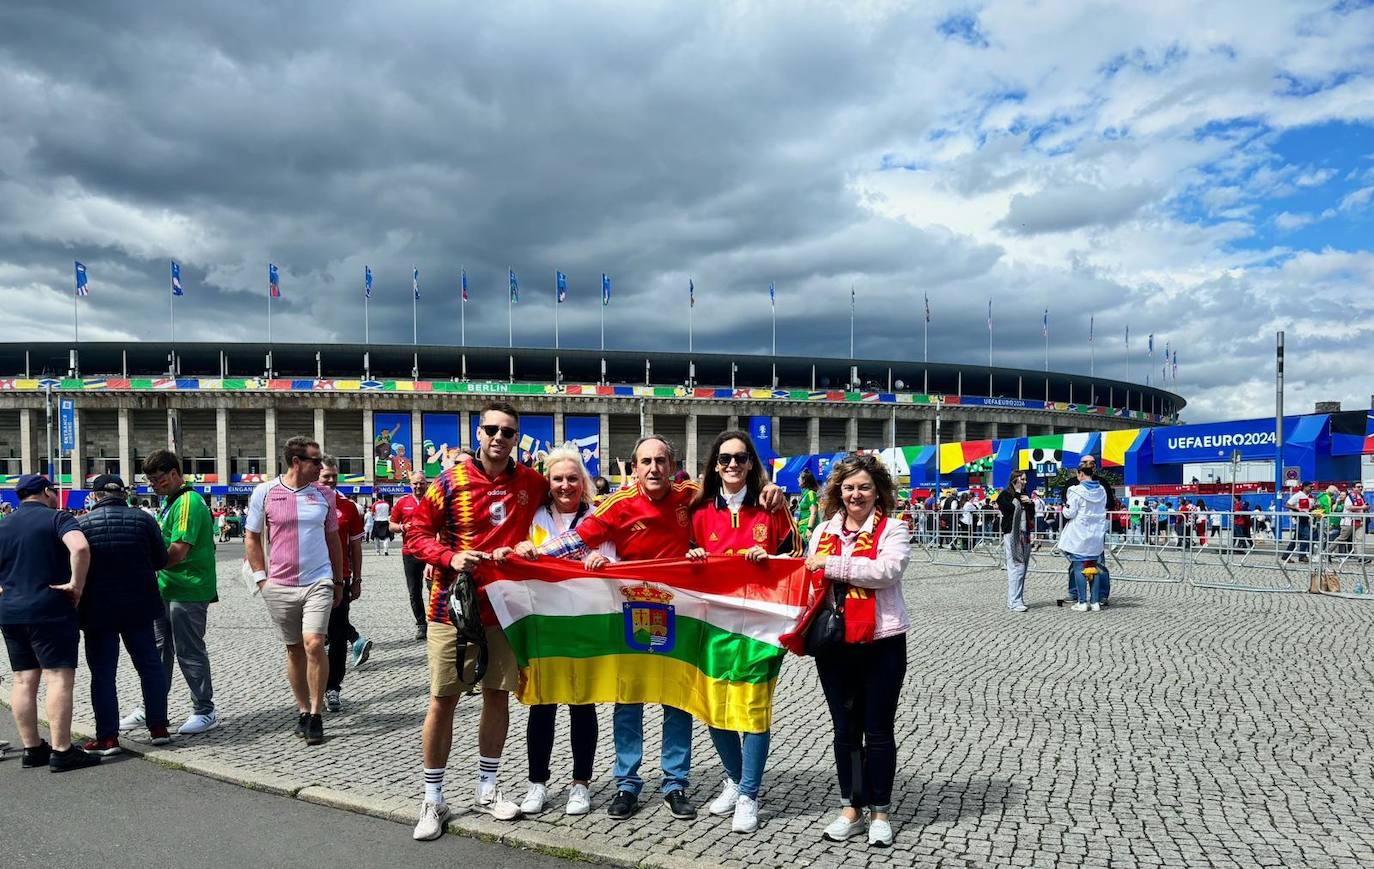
382	409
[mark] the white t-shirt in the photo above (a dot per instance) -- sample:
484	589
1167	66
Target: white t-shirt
381	511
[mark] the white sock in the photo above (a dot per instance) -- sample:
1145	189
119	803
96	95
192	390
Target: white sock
434	785
487	768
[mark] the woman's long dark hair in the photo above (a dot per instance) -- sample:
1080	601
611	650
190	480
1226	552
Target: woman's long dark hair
710	475
807	480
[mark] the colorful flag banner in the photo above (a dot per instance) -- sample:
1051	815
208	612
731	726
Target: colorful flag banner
415	282
514	287
706	637
562	284
367	282
691	294
772	293
463	280
605	289
1045	325
273	284
176	279
83	288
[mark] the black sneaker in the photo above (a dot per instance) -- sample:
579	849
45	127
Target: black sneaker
301	724
314	730
623	805
421	631
36	756
73	758
679	804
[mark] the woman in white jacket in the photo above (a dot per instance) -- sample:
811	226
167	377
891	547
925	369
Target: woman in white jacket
1085	510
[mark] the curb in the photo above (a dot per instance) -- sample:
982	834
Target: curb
465	822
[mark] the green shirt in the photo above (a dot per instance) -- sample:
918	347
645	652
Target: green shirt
806	511
192	579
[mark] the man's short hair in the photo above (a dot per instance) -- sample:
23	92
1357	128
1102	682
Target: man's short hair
161	462
328	461
500	407
297	447
672	451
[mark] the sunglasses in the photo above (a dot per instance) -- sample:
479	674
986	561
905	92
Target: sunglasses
317	460
506	431
725	459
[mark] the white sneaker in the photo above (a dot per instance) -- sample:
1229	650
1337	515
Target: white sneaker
433	816
1080	607
880	834
725	803
133	720
200	724
490	800
1095	607
746	818
1019	608
533	803
842	829
579	800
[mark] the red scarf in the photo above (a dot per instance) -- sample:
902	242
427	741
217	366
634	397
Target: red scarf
860	605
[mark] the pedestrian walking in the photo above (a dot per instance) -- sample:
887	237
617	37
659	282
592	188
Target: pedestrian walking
304	580
344	639
1017	524
414	568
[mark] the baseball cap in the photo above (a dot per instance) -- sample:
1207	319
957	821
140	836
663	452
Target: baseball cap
111	483
31	484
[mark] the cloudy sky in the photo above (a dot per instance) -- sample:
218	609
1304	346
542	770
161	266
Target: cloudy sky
1202	172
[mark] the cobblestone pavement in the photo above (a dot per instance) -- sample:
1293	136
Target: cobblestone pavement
1180	727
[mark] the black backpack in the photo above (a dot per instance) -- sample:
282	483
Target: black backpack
465	616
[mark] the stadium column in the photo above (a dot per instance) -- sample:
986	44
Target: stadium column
603	445
222	444
126	466
558	428
464	430
732	422
690	448
319	429
775	435
961	430
368	464
813	435
27	463
889	431
1020	429
851	434
270	438
173	429
417	440
646	422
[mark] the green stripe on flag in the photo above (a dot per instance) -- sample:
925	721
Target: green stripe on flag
719	654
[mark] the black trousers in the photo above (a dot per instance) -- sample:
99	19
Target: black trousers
415	584
339	643
539	740
862	682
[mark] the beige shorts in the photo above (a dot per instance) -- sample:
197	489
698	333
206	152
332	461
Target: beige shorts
441	647
299	610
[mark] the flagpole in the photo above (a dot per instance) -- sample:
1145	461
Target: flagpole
269	316
172	312
556	306
76	321
774	305
851	322
690	306
367	331
463	309
510	314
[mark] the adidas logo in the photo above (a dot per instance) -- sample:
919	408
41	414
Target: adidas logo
714	536
638	526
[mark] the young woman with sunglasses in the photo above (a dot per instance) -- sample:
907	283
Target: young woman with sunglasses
726	519
859	547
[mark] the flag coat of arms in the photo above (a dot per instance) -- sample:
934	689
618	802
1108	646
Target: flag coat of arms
706	637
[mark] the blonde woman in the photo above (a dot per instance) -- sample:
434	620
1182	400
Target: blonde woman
865	552
570	499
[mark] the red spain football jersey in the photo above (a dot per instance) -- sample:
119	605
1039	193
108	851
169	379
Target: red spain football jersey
465	509
639	527
400	514
722	531
350	528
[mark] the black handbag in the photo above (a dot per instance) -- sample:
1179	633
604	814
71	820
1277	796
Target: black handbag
826	631
466	618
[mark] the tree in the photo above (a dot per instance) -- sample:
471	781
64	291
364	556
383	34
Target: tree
1067	476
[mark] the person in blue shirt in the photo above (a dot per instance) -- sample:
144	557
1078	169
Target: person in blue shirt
43	562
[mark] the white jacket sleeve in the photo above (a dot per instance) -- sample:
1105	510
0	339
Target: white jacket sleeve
1072	504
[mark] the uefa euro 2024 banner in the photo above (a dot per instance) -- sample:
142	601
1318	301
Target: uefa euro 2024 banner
1212	442
391	442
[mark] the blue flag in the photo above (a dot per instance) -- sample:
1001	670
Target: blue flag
176	279
605	289
415	282
82	288
514	287
463	277
1045	325
367	282
562	281
691	294
273	284
772	294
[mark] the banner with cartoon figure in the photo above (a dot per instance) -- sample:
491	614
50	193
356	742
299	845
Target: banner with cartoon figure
391	446
584	432
440	442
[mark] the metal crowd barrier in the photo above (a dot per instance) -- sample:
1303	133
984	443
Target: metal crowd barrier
1276	552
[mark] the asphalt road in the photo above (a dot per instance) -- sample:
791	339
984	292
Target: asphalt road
136	813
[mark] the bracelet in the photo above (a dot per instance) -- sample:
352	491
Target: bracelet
259	575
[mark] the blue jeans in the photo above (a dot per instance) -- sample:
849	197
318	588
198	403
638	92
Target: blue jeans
1103	583
102	656
628	729
1079	582
744	756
